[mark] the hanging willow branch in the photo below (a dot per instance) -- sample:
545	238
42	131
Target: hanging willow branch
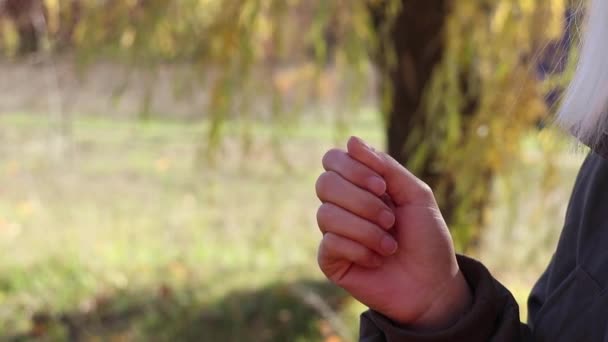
262	59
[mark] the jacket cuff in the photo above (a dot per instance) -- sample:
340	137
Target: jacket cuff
479	323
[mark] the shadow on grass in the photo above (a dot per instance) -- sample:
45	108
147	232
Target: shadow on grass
300	311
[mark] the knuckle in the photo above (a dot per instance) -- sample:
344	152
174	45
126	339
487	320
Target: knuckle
324	182
330	156
322	255
321	184
425	190
324	251
321	252
328	243
324	215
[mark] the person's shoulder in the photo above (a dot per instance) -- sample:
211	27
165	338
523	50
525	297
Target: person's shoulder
594	165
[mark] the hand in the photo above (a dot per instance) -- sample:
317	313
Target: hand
385	241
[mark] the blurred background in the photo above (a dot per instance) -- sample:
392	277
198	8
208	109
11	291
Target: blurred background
158	158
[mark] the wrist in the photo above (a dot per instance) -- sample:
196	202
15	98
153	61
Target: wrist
448	306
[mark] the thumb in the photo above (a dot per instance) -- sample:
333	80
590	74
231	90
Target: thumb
401	185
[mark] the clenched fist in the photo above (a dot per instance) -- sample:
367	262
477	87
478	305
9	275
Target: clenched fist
385	241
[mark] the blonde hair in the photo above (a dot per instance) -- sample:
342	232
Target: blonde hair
584	108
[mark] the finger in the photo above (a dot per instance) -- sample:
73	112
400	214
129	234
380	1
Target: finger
402	186
362	176
335	247
332	188
333	219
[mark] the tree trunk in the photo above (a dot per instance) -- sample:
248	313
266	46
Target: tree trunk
416	38
417	41
69	17
29	17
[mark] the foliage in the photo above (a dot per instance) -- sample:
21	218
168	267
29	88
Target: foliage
485	96
261	59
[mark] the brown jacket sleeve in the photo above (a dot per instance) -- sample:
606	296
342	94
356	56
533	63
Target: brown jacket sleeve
494	315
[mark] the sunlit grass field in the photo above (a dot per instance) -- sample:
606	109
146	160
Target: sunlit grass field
122	230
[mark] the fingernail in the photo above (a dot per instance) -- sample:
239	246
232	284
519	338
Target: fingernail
388	245
387	219
377	185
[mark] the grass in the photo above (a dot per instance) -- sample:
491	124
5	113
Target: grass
122	218
120	233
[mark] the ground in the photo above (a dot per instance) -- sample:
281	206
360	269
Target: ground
114	229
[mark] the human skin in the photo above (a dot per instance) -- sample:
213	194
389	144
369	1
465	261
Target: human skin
385	240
